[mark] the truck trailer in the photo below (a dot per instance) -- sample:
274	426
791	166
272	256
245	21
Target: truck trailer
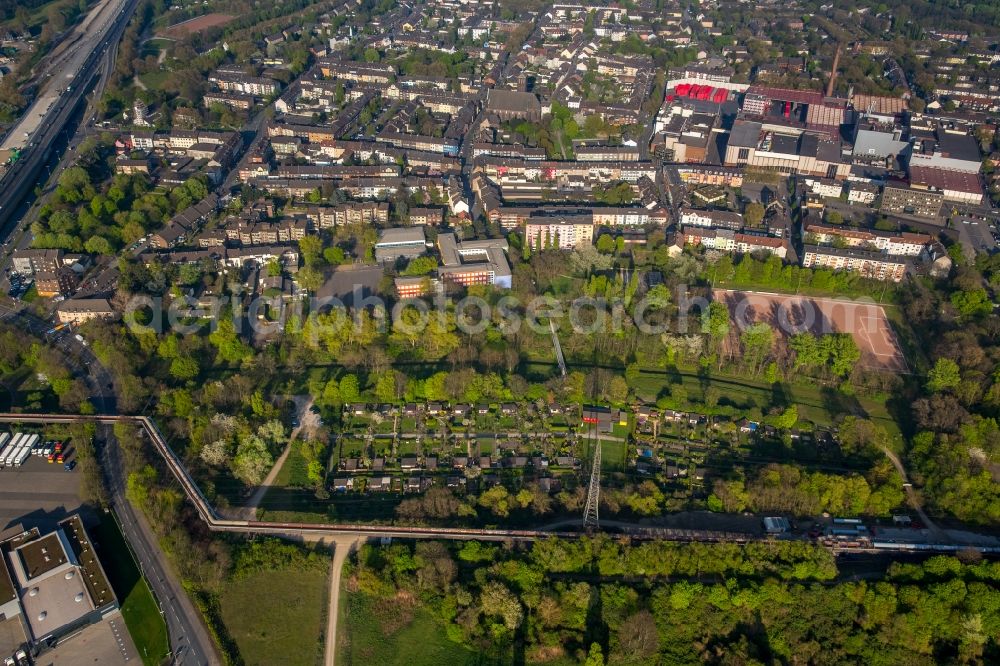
22	455
8	461
8	454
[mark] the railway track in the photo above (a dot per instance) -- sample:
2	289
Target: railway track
219	524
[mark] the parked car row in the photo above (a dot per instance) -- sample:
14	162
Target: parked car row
19	285
52	451
18	659
16	448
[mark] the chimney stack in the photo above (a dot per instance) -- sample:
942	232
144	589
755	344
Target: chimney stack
833	72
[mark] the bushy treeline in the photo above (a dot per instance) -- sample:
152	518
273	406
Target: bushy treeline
598	601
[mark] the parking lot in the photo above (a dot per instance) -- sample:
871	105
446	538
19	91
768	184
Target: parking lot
38	493
19	285
975	235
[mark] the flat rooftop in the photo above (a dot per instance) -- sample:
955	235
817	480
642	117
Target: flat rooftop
958	146
54	602
41	556
399	235
95	579
464	256
787	94
943	179
7	591
745	134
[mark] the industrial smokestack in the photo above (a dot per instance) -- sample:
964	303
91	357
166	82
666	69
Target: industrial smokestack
833	72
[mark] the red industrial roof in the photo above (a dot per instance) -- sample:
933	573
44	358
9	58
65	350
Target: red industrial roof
788	95
944	179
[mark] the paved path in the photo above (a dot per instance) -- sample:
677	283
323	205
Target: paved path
914	498
343	546
249	510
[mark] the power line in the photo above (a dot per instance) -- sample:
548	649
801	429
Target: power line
590	518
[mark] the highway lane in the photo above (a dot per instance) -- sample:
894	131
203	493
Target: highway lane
73	134
61	69
16	209
190	642
21	178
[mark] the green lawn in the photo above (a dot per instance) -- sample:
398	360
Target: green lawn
277	617
612	455
31	295
281	499
154	47
297	516
407	447
388	633
817	404
295	470
138	607
302	505
154	80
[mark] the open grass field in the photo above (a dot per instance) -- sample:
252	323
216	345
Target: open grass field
390	633
277	617
138	607
282	500
612	455
788	314
154	80
815	403
292	516
295	471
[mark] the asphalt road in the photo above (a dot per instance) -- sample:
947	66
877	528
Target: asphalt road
190	643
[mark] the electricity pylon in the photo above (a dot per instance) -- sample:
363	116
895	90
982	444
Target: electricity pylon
590	519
